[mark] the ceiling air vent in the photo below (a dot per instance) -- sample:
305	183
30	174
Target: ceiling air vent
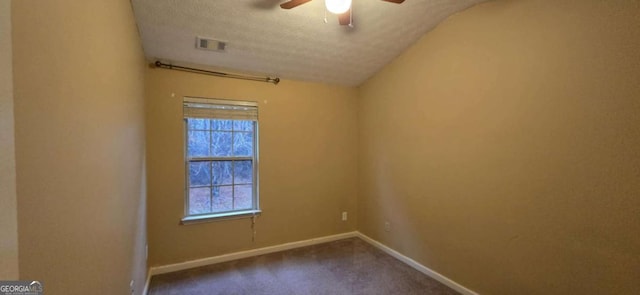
210	44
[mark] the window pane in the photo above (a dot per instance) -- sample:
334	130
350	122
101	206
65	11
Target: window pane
198	143
221	144
243	197
223	125
199	200
222	198
243	172
243	144
199	124
222	172
199	173
242	125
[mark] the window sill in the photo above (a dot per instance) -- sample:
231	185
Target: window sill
219	217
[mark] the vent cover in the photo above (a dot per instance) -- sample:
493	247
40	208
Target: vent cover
210	44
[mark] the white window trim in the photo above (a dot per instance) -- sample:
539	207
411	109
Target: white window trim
228	215
195	219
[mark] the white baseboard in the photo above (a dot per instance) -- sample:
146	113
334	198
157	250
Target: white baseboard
419	267
287	246
244	254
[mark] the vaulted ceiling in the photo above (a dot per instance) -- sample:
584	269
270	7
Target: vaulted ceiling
261	38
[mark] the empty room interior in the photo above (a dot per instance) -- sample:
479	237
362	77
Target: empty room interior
155	147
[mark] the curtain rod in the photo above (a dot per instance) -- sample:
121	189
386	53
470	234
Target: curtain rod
159	64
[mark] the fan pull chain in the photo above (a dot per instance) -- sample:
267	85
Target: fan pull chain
351	17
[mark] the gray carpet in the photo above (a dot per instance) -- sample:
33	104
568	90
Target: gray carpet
349	266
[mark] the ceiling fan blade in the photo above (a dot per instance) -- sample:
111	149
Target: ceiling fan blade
293	3
345	18
394	1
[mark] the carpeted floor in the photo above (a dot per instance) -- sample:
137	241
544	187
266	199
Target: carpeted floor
349	266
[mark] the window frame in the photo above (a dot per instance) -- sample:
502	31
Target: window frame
232	214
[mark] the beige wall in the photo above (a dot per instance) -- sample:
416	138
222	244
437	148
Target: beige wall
504	148
307	164
8	209
79	128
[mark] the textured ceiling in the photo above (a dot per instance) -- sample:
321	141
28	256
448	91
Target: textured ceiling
294	44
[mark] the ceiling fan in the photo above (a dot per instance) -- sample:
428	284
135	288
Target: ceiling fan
340	7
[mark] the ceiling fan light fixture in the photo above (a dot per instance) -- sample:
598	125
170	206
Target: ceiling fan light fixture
338	6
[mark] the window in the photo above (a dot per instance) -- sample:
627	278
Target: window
221	141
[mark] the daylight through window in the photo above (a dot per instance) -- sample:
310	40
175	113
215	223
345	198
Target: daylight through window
220	157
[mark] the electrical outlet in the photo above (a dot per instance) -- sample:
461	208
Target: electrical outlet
344	216
387	226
